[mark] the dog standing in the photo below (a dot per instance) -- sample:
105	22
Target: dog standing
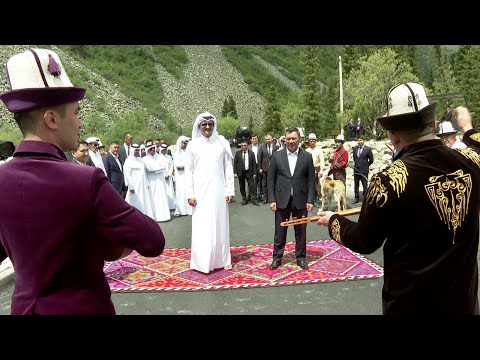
333	189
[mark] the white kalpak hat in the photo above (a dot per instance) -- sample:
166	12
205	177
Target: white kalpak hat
37	79
340	138
312	136
446	128
407	108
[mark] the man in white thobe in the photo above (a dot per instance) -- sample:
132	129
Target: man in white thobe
155	174
168	175
182	207
138	194
94	153
210	188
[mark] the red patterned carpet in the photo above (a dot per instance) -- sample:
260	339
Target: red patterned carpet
327	261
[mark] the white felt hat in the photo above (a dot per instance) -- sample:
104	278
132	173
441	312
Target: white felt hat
36	79
407	108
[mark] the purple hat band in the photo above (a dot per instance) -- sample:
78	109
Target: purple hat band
29	99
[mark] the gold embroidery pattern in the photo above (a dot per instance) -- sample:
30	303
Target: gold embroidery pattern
377	191
475	137
397	174
336	230
450	194
470	154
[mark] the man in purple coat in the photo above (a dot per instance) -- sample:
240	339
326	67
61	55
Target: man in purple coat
60	221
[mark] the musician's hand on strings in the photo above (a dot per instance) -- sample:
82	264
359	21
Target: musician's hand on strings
324	217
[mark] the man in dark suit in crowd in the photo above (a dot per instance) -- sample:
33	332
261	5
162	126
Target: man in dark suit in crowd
114	168
362	159
352	129
360	128
80	156
245	169
264	155
126	148
291	192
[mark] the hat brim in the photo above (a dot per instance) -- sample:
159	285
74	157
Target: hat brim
29	99
409	121
447	133
338	140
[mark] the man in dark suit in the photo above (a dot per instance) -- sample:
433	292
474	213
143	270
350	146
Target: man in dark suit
80	156
264	155
245	169
114	168
360	128
362	159
352	129
291	192
126	147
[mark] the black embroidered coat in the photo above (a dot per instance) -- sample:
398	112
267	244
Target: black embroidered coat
424	208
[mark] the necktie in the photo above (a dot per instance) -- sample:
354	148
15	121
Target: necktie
268	149
245	160
128	151
360	151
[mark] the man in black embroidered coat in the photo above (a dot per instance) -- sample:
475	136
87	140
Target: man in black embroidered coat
424	210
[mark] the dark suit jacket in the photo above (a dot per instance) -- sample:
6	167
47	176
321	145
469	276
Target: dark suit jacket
122	154
114	174
362	163
280	181
264	157
239	166
89	162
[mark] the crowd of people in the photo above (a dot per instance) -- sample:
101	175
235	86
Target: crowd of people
423	208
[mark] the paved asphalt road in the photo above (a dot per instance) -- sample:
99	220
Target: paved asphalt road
249	225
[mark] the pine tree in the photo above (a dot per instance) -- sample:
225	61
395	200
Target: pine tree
271	121
233	107
310	90
250	124
225	107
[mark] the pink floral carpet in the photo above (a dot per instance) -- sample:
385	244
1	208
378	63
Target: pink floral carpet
327	261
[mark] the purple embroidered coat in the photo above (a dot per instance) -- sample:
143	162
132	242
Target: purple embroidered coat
56	220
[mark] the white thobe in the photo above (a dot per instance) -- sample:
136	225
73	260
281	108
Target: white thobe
136	179
155	174
97	160
209	175
182	206
169	182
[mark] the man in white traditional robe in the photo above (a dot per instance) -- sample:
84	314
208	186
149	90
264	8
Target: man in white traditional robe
138	194
210	188
182	206
155	174
168	175
94	153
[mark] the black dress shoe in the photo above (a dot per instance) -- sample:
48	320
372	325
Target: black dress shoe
275	264
302	263
255	203
355	201
244	202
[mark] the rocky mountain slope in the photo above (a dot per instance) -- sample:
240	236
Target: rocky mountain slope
208	79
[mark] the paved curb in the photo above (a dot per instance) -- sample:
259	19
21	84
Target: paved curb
6	271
